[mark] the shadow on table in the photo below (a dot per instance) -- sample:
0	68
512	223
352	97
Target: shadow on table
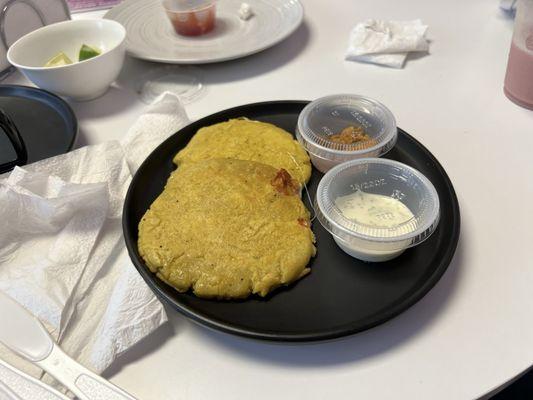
81	139
416	55
113	102
227	71
506	16
260	63
367	344
147	345
135	71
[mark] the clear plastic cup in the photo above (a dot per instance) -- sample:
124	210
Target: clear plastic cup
379	177
518	86
329	115
191	17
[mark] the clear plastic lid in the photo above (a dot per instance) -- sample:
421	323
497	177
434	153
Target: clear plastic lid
322	120
381	177
184	81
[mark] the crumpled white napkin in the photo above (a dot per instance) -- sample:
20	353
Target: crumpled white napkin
62	254
386	42
163	118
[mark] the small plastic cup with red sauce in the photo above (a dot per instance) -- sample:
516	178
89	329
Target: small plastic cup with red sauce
191	17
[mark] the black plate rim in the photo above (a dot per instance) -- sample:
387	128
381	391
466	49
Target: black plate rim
56	102
342	331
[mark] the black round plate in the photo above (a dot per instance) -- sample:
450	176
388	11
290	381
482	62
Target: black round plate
46	122
341	295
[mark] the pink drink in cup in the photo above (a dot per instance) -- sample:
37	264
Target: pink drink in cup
518	85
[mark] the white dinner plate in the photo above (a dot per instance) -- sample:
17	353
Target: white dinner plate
150	35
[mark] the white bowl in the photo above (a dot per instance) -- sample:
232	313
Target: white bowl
80	81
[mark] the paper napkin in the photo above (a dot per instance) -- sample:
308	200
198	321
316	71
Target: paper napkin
386	42
62	254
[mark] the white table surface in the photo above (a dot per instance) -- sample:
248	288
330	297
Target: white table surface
474	330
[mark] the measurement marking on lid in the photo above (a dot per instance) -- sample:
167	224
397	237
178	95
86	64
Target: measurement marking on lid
327	131
368	184
360	118
397	194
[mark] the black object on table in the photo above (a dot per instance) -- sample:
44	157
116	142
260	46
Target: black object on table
341	295
35	122
519	389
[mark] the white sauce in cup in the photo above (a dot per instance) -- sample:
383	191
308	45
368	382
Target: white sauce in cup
373	210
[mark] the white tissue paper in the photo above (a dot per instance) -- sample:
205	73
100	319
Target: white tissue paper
62	254
386	42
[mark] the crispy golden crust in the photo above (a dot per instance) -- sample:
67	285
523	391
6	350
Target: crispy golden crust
244	139
222	229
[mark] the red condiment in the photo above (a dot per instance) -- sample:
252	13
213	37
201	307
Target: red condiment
193	22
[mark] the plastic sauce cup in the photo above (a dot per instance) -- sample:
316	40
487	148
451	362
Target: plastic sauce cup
191	17
330	115
381	177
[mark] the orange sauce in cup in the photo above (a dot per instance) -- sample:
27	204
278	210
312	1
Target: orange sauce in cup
193	22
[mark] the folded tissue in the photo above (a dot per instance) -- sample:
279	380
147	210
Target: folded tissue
62	254
386	42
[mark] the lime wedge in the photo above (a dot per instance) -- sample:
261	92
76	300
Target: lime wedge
58	60
87	52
